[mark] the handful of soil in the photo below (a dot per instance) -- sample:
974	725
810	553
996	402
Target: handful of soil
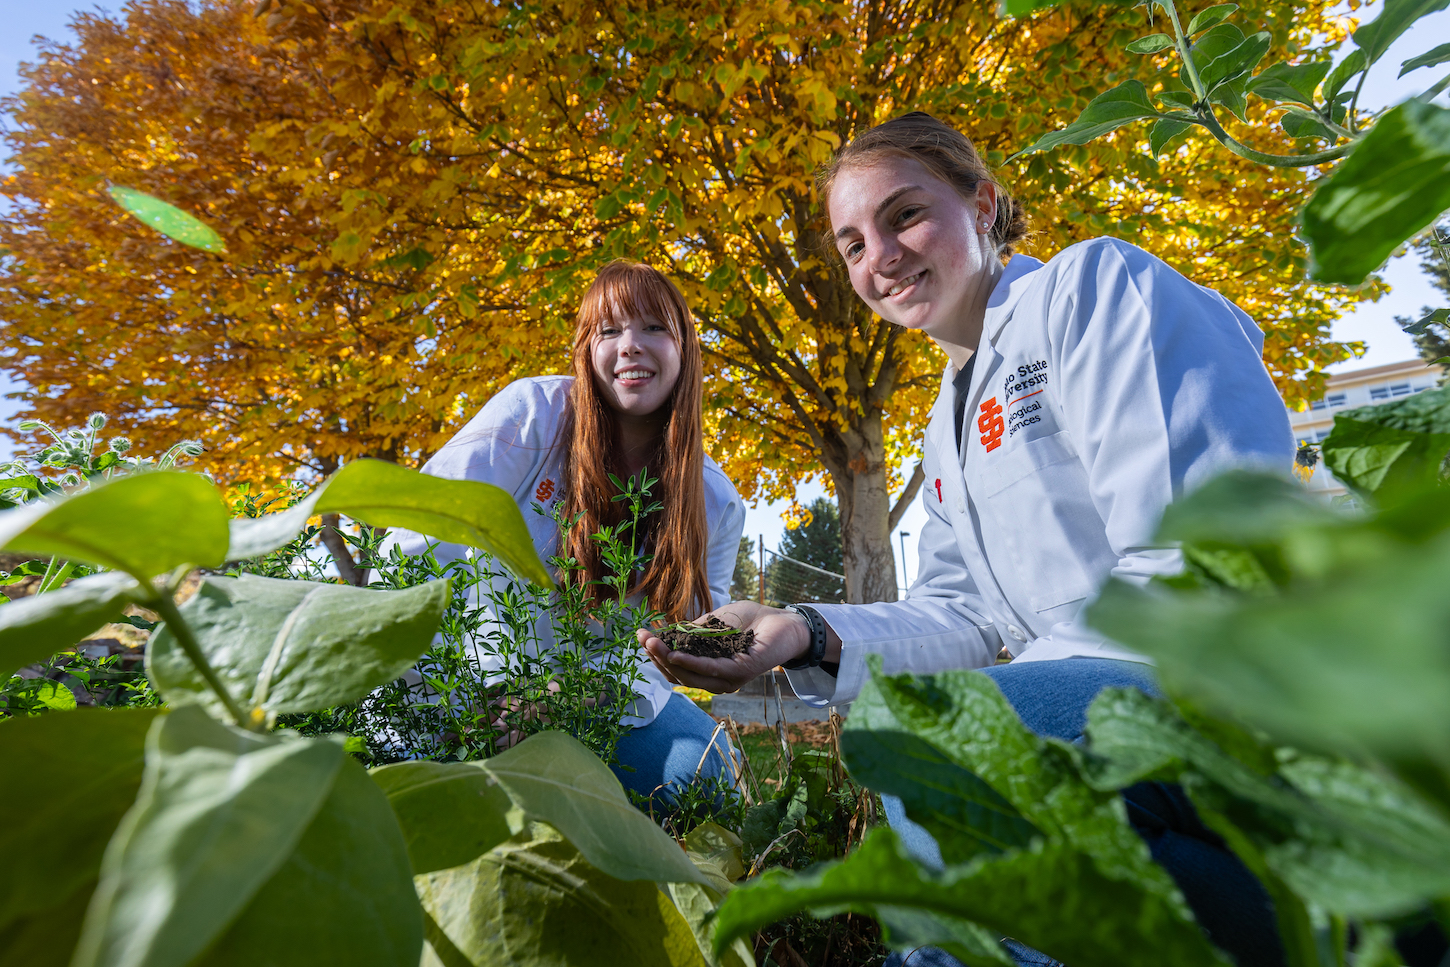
713	639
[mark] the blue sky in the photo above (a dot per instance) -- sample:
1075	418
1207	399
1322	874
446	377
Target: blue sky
1372	322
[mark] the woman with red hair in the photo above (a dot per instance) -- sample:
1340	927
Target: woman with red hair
632	403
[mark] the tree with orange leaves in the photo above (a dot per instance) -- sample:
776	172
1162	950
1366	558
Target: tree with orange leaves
468	167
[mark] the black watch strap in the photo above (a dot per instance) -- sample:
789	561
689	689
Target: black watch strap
817	651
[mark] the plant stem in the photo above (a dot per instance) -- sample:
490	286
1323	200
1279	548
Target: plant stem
1210	121
166	607
1181	42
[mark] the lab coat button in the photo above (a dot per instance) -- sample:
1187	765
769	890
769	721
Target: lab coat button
960	506
1016	632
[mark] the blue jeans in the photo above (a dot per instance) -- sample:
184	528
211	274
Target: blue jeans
1231	905
666	754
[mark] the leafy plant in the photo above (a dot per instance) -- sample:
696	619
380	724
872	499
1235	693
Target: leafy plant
1303	647
1394	179
198	831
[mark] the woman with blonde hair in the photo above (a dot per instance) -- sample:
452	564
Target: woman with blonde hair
631	404
1081	396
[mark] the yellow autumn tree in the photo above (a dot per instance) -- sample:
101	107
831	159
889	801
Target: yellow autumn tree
304	346
686	134
451	175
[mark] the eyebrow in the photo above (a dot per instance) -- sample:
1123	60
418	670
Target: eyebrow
885	204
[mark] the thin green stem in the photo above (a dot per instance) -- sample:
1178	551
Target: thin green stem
1435	91
1181	42
164	606
1210	121
50	570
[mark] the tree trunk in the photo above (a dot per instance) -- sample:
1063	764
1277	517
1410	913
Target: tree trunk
858	469
333	540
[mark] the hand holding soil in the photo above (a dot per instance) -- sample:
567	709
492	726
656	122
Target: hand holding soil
775	637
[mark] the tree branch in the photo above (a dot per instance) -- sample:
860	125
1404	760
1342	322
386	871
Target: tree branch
913	486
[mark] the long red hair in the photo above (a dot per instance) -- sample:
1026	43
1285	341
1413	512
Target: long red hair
674	581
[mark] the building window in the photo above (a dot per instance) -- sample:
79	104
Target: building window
1317	405
1335	399
1321	434
1379	392
1400	389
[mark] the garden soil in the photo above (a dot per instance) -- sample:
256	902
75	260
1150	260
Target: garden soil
709	646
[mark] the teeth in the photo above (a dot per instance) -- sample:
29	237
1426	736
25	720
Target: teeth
904	283
633	374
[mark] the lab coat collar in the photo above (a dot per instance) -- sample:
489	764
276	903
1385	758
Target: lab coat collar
1016	276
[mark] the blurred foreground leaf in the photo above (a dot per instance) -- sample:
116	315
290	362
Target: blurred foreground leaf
169	220
40	625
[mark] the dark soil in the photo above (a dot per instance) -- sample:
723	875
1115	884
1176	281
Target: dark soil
709	646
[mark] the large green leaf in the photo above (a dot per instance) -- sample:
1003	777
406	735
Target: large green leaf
1360	844
220	811
1392	449
1289	82
1349	656
963	813
295	646
68	780
553	778
965	715
1394	183
451	813
386	495
1396	16
1048	896
1107	112
536	902
42	624
168	219
345	895
145	524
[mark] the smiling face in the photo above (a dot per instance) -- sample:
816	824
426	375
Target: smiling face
636	362
918	253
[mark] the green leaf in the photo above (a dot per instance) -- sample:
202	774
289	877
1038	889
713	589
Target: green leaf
1396	16
181	516
1231	96
1437	55
1165	130
1234	62
1289	82
1298	123
1150	44
68	780
1392	449
1342	72
169	220
964	814
1209	17
553	778
220	811
40	625
536	902
1107	112
1183	100
1301	664
345	895
1395	183
295	646
451	813
386	495
1217	42
697	905
1438	317
1049	897
1360	845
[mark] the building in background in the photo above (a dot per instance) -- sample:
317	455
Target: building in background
1361	387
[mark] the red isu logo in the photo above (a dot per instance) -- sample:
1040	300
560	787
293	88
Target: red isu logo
990	425
546	489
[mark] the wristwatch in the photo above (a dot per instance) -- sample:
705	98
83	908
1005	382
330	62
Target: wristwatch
817	651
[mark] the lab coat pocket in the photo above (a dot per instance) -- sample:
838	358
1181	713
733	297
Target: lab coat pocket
1038	495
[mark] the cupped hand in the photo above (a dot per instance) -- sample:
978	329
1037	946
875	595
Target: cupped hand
780	636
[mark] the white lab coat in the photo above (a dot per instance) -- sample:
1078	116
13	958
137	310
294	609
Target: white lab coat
511	443
1105	386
